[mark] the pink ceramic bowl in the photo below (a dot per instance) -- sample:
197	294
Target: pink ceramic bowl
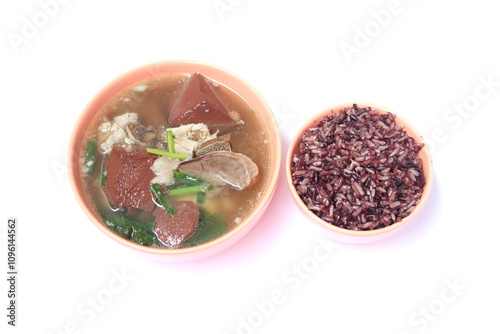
158	69
345	235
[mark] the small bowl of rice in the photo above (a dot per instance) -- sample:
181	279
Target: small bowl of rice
359	170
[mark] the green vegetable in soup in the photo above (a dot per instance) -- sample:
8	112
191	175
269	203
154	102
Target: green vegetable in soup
210	226
143	237
140	232
180	156
124	231
170	141
89	161
184	180
162	198
200	197
188	190
102	178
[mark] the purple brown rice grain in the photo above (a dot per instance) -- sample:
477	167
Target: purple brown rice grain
358	170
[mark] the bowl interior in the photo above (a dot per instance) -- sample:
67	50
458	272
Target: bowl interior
410	130
163	68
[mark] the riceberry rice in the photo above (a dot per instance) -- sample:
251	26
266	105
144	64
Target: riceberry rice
358	170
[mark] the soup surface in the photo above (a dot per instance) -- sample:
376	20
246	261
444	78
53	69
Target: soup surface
135	121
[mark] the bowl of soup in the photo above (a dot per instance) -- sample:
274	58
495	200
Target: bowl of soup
177	158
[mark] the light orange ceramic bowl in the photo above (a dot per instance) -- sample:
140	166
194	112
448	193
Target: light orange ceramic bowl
158	69
350	236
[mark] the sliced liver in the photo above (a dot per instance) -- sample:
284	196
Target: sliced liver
222	168
174	230
198	103
128	177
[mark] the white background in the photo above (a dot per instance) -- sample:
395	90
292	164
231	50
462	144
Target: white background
427	57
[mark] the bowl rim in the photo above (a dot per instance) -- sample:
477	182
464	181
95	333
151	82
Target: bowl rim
233	82
424	154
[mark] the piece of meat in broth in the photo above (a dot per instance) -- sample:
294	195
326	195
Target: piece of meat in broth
128	178
198	103
222	169
174	230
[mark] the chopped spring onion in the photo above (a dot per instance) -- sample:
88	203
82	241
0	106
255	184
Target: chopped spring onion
188	190
166	154
170	141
